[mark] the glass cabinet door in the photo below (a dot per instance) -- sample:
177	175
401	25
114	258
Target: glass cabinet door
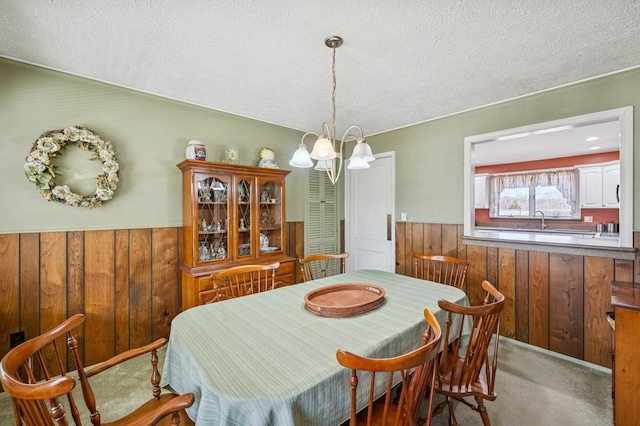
244	218
270	217
213	218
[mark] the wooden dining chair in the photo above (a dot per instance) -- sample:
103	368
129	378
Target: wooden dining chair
441	269
322	265
240	281
35	375
413	372
467	366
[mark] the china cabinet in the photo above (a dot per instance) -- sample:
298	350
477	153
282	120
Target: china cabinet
232	215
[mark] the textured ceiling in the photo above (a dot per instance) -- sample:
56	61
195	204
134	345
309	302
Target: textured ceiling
402	62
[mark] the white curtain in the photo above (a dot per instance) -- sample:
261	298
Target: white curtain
564	180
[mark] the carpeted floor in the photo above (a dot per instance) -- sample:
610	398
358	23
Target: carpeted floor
535	387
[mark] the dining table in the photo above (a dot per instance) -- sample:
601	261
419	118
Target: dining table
266	359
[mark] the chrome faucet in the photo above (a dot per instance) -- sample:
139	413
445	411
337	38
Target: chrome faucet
542	225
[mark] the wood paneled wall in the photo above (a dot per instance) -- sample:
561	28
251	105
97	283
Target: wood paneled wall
124	281
127	284
554	301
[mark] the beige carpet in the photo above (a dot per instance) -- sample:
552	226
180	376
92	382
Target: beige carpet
534	387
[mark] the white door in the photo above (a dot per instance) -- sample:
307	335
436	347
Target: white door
370	215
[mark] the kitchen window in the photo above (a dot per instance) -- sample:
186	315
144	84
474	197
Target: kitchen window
520	195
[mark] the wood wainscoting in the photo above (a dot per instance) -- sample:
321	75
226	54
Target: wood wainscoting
124	281
127	284
554	301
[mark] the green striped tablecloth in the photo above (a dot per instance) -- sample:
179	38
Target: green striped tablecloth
264	359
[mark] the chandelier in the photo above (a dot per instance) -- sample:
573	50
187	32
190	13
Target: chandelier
324	149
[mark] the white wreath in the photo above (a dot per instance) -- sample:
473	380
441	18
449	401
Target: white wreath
42	172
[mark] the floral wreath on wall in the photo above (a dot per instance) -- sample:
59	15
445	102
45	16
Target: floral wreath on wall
39	169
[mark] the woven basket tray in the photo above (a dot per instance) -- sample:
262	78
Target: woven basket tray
344	300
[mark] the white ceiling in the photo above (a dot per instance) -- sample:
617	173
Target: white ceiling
592	138
402	62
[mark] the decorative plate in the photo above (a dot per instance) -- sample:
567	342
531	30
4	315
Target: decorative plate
268	249
344	300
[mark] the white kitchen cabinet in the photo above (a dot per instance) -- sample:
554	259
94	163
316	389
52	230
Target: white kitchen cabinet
481	197
599	186
590	184
611	186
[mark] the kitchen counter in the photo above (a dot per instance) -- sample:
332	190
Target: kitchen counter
583	243
568	231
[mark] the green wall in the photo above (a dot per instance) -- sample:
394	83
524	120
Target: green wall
149	134
430	155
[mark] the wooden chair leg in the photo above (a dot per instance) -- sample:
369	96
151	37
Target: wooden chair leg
452	416
483	412
439	408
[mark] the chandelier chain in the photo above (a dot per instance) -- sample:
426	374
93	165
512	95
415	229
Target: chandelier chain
333	92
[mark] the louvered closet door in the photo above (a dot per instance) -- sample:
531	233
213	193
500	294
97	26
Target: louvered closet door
321	223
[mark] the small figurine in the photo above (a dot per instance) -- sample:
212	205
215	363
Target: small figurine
242	194
267	159
222	251
203	251
231	155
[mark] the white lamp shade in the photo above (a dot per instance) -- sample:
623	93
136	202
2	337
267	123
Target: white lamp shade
323	150
357	163
362	151
301	158
323	165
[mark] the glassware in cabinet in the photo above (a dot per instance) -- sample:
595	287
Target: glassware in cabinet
270	217
212	218
244	216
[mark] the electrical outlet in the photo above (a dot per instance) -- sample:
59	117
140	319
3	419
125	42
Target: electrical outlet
16	338
403	217
588	219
